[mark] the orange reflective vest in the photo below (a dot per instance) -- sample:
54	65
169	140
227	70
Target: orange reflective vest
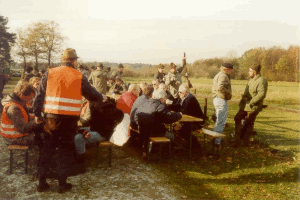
31	115
63	94
8	130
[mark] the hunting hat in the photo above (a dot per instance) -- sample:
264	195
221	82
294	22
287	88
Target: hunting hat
108	68
100	65
121	66
119	79
257	68
227	65
172	65
69	53
161	66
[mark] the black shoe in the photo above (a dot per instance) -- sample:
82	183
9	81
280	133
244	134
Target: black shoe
43	187
64	188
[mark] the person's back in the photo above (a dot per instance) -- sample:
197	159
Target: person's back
98	78
151	117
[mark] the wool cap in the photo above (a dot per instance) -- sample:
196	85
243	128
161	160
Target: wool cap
257	68
227	65
121	66
100	65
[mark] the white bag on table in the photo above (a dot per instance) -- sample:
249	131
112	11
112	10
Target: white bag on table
121	133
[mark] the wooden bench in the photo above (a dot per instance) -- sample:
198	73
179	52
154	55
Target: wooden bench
209	133
160	141
13	148
109	145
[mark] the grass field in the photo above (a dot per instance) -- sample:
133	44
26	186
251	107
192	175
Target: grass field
268	169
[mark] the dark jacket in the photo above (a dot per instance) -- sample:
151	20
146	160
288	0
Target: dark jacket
160	77
138	102
151	117
190	106
87	90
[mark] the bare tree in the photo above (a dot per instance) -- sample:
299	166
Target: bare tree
20	48
51	38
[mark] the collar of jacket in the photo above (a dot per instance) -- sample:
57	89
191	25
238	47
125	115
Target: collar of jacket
256	77
68	64
14	97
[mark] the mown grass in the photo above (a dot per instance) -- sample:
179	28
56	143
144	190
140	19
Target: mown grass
268	169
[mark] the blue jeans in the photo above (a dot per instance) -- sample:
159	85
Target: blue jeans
221	107
81	141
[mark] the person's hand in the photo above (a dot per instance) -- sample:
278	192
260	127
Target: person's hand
38	120
173	79
169	102
104	98
115	90
88	135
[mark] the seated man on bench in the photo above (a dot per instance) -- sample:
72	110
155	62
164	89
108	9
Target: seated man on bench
188	105
15	125
98	121
153	114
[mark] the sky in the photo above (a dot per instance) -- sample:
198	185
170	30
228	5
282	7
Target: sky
159	31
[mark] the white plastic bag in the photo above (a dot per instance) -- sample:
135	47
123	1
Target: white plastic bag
120	135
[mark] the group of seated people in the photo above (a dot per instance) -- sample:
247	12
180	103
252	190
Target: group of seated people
150	107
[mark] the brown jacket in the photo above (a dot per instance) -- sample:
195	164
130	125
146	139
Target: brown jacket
222	86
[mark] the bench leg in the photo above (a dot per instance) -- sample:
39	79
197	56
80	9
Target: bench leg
11	162
109	155
190	150
170	150
147	150
26	161
160	156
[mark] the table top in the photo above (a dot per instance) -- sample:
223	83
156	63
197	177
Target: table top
188	118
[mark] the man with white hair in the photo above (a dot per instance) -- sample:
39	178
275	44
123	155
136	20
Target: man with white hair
126	100
153	114
155	84
170	98
189	105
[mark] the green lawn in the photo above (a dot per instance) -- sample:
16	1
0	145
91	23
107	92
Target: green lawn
268	169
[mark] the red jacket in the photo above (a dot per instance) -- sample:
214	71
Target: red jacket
126	101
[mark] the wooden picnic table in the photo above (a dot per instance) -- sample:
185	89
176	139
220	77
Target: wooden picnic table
191	120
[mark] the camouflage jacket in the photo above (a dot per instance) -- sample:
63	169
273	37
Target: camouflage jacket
120	88
173	82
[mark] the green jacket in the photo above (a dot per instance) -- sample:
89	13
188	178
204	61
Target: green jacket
98	79
255	93
116	73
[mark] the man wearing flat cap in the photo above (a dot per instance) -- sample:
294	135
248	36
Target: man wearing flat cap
59	96
99	78
252	100
222	93
119	72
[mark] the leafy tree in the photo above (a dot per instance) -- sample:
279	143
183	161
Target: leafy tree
6	41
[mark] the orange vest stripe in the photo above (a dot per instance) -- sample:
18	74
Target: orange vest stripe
63	94
7	128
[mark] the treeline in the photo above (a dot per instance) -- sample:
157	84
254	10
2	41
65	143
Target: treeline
278	64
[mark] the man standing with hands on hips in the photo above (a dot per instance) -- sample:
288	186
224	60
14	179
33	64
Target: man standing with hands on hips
59	96
222	93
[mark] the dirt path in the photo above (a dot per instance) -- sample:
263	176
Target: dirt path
130	177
